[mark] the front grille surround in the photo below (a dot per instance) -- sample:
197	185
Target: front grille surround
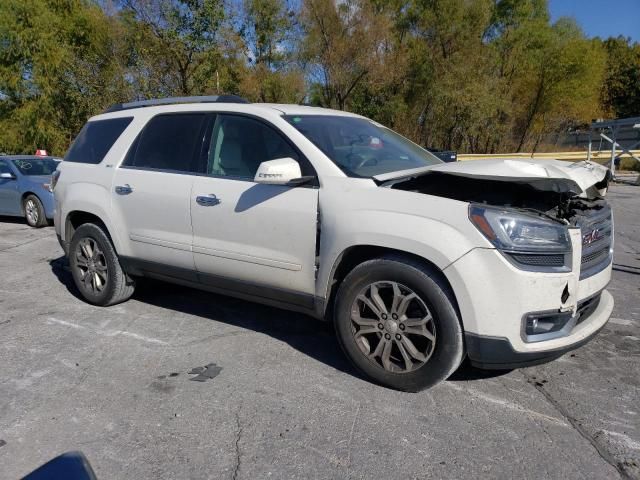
597	252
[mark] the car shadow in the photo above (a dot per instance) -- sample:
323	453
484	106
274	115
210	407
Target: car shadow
257	194
467	372
309	336
7	219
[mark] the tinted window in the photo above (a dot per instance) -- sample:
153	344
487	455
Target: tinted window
95	139
169	142
36	166
360	147
240	144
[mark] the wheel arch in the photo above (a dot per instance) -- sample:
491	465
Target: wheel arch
75	218
354	255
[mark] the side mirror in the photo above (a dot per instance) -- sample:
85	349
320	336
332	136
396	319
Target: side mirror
7	176
278	172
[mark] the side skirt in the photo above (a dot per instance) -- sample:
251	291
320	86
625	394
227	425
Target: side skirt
275	297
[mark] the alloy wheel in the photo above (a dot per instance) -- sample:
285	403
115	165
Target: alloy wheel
31	210
393	327
92	265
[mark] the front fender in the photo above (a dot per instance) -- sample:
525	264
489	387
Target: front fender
440	243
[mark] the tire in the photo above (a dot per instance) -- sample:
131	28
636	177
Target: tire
426	327
91	252
34	212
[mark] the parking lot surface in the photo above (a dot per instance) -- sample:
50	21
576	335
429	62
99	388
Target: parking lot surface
178	383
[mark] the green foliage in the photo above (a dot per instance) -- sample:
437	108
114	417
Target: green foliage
621	89
174	45
268	32
627	163
475	76
59	64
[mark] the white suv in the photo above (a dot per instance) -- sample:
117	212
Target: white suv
417	262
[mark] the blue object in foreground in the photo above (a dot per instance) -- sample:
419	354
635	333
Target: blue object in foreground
25	189
68	466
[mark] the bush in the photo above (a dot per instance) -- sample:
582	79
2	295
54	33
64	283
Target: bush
627	163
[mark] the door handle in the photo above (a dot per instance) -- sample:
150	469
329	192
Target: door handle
207	201
124	189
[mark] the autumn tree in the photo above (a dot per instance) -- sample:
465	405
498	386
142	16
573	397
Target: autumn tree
269	32
174	45
621	88
476	76
343	45
59	64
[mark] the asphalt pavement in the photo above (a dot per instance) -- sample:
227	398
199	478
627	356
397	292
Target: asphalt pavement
178	383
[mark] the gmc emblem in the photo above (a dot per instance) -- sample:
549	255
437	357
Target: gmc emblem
591	237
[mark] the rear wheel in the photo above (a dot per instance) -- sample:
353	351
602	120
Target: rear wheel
397	323
96	269
34	212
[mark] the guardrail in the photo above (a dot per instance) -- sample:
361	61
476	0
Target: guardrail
600	156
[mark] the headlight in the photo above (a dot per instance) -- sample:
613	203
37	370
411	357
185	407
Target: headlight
531	242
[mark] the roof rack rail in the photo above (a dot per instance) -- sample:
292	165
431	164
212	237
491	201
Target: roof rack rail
172	100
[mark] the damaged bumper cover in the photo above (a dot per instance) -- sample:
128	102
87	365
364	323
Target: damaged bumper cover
496	299
498	353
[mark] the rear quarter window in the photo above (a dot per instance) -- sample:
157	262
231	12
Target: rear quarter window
95	139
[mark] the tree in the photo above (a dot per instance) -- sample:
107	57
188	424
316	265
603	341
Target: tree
58	66
268	31
621	88
476	76
558	82
175	45
344	44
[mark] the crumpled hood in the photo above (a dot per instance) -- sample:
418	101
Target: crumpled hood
580	178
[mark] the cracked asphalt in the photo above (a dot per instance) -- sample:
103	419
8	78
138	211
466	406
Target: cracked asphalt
278	399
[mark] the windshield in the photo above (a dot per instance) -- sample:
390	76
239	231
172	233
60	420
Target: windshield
36	166
360	147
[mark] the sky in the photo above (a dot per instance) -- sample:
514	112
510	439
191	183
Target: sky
601	18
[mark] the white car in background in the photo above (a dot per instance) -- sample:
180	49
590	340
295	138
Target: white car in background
417	262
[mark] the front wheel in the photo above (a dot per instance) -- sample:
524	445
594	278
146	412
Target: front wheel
396	321
96	269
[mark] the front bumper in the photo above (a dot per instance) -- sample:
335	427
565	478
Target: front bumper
494	297
497	352
49	205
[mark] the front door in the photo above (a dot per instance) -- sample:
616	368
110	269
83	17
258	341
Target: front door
9	194
247	237
152	189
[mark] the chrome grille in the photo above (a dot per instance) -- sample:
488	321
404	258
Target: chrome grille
597	238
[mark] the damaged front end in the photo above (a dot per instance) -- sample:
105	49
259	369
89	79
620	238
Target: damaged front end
526	209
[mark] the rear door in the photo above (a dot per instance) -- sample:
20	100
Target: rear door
248	237
152	190
9	193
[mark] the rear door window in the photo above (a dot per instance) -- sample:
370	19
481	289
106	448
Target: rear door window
169	142
96	139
